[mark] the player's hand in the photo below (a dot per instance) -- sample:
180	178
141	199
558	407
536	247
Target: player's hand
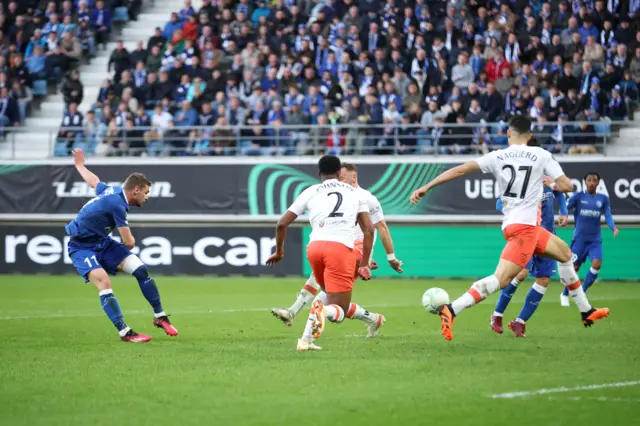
418	194
547	181
396	265
78	157
563	221
364	272
373	265
274	258
615	232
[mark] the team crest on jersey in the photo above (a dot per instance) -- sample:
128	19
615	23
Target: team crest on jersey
599	204
321	224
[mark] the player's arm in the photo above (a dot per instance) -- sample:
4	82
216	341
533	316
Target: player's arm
281	233
561	182
573	201
78	158
364	220
563	220
447	176
387	243
608	217
120	219
296	209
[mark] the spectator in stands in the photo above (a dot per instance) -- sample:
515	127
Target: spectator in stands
101	23
72	89
120	60
72	127
71	48
617	108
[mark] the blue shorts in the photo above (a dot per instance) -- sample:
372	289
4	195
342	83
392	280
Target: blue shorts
583	249
107	255
541	267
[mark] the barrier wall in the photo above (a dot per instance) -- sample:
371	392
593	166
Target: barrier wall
473	252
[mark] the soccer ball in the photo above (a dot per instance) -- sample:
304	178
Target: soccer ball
434	299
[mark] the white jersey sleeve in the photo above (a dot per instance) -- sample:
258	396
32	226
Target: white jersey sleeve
333	209
553	168
519	170
373	208
487	162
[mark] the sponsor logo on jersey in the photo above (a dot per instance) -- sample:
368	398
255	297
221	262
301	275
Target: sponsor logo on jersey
161	189
598	204
590	213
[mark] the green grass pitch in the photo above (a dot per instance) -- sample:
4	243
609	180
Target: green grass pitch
61	362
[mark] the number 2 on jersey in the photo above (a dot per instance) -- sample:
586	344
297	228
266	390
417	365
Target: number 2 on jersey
334	212
512	180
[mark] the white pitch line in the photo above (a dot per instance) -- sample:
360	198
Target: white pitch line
591	398
54	315
525	394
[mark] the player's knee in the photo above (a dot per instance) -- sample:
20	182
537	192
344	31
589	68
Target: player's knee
565	254
523	275
134	266
544	282
596	263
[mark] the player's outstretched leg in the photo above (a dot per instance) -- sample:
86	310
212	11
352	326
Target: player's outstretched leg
592	275
134	266
558	250
504	299
531	302
374	321
306	295
307	341
111	307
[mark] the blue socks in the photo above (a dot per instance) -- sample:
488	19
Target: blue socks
112	309
531	302
505	296
148	288
591	278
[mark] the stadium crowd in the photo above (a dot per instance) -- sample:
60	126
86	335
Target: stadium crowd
397	74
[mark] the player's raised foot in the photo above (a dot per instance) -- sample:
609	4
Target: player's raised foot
564	301
164	323
283	315
317	309
134	337
519	329
303	345
496	324
446	317
374	327
588	318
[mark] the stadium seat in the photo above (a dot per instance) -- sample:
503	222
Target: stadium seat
40	88
60	149
121	14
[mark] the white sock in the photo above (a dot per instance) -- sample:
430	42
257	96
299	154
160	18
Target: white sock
478	292
160	314
124	331
515	282
356	312
495	314
567	274
537	287
305	296
334	313
322	296
594	271
580	299
306	334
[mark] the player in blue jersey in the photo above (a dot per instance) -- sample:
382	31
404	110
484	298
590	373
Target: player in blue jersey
588	207
541	268
95	254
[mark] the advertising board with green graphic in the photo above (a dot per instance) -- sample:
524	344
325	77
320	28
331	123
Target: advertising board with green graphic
264	187
473	252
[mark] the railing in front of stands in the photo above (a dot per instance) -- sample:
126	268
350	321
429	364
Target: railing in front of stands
301	140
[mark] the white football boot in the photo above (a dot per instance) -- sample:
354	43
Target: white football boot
303	345
374	327
283	315
564	301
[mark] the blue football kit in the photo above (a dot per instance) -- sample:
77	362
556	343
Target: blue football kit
90	246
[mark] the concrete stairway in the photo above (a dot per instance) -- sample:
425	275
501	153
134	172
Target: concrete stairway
37	139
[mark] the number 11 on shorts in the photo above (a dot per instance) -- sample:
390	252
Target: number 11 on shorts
86	259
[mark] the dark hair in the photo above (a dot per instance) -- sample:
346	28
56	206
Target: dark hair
329	165
136	180
520	124
596	174
350	167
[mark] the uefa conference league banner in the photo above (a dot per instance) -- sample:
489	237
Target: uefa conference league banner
173	250
269	189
